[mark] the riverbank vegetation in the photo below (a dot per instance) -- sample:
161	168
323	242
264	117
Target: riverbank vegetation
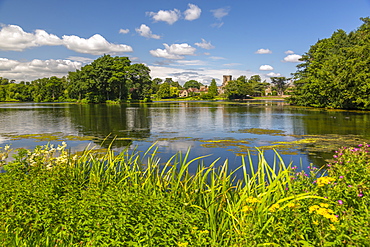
335	71
50	197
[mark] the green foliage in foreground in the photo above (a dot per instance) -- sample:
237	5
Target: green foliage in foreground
51	198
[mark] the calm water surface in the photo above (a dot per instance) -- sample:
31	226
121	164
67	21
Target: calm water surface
221	129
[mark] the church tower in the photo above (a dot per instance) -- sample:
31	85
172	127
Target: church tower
227	78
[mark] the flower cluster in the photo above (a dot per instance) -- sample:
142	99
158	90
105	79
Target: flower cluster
322	181
274	207
48	156
250	200
4	155
323	210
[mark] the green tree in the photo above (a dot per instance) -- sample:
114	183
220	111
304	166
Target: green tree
280	84
164	91
174	92
110	78
155	85
238	89
4	81
257	85
335	72
192	84
213	89
139	82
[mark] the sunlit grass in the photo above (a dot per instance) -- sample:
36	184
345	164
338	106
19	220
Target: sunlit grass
50	197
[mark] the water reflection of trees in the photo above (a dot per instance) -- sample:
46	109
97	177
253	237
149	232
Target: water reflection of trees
123	123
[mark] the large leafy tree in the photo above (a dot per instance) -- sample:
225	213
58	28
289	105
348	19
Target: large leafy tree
110	78
192	84
335	72
155	85
239	88
139	81
280	84
164	91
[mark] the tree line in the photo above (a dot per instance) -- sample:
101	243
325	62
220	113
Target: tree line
116	79
335	72
106	78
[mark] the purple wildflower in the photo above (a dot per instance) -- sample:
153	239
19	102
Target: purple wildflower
360	195
340	202
341	177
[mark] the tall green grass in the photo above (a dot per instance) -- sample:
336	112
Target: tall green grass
50	197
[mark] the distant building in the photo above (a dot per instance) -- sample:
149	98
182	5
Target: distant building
226	79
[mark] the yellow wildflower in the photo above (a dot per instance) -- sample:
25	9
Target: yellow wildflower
322	211
247	209
292	205
313	208
324	180
183	244
252	199
324	205
333	218
274	207
332	227
315	222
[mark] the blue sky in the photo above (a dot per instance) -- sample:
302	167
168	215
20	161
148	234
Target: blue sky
184	40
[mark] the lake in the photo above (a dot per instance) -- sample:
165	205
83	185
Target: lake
222	130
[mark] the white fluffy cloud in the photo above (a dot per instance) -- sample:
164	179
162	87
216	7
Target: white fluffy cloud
293	58
124	31
95	45
272	74
192	13
35	69
145	31
169	16
263	51
289	52
174	51
266	67
164	54
6	64
13	38
205	45
180	49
